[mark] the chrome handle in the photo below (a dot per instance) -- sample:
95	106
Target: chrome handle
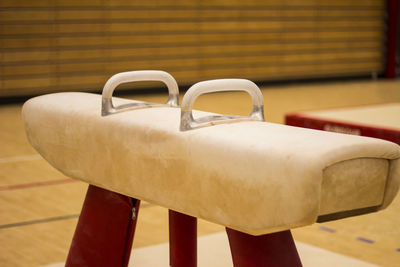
107	106
187	120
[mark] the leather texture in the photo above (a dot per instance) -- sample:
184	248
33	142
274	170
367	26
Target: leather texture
254	177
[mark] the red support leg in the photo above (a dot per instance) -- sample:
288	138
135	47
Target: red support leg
271	250
182	240
105	230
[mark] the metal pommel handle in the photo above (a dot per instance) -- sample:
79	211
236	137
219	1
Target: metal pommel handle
107	106
187	120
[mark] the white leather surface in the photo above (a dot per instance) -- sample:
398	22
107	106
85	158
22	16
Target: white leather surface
255	177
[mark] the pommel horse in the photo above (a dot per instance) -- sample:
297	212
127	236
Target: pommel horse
257	179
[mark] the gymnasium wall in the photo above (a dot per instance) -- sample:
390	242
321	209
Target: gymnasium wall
49	45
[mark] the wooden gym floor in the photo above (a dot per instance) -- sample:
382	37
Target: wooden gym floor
39	207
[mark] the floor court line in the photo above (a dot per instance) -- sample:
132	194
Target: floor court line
57	218
327	229
365	240
51	219
36	184
20	158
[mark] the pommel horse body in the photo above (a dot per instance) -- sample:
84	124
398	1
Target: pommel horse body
258	179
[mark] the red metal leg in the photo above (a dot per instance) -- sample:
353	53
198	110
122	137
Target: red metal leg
105	230
182	240
271	250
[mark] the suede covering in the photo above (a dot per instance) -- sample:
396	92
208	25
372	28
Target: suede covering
255	177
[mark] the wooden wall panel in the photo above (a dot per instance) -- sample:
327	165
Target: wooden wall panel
59	45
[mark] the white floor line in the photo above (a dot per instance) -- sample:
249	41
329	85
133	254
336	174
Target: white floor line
20	158
213	251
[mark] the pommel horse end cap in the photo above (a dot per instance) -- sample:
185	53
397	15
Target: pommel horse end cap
241	172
